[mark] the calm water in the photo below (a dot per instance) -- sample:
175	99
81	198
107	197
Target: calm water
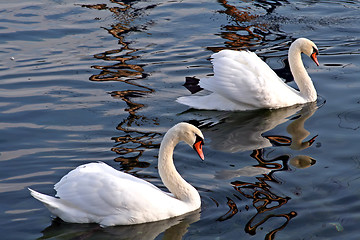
98	81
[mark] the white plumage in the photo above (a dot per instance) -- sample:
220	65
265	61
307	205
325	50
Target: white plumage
242	81
96	192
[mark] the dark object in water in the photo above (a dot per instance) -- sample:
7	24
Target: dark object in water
192	84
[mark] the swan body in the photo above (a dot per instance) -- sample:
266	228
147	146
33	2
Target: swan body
242	81
97	193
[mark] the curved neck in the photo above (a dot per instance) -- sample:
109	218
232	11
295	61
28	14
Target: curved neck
301	77
297	128
168	174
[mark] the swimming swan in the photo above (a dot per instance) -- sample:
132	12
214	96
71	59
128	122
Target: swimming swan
97	193
242	81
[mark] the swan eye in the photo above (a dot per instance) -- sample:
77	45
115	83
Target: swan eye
315	51
314	56
199	140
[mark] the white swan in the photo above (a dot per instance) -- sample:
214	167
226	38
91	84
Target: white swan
242	81
98	193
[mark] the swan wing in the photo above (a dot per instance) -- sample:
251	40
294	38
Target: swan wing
243	78
112	197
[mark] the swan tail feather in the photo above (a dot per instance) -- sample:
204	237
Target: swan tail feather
60	208
45	199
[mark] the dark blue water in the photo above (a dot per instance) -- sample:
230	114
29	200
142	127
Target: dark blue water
83	82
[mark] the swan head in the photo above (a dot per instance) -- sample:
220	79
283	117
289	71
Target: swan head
192	136
307	47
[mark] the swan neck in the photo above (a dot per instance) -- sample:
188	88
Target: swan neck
169	175
301	77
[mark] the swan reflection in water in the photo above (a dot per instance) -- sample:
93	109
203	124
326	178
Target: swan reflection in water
244	131
174	228
259	140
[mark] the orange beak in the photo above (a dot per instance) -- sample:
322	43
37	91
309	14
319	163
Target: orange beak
198	148
314	58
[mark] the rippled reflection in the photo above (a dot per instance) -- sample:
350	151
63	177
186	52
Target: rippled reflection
260	192
131	144
265	200
297	130
243	33
248	29
121	70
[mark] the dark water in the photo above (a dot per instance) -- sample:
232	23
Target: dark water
88	81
